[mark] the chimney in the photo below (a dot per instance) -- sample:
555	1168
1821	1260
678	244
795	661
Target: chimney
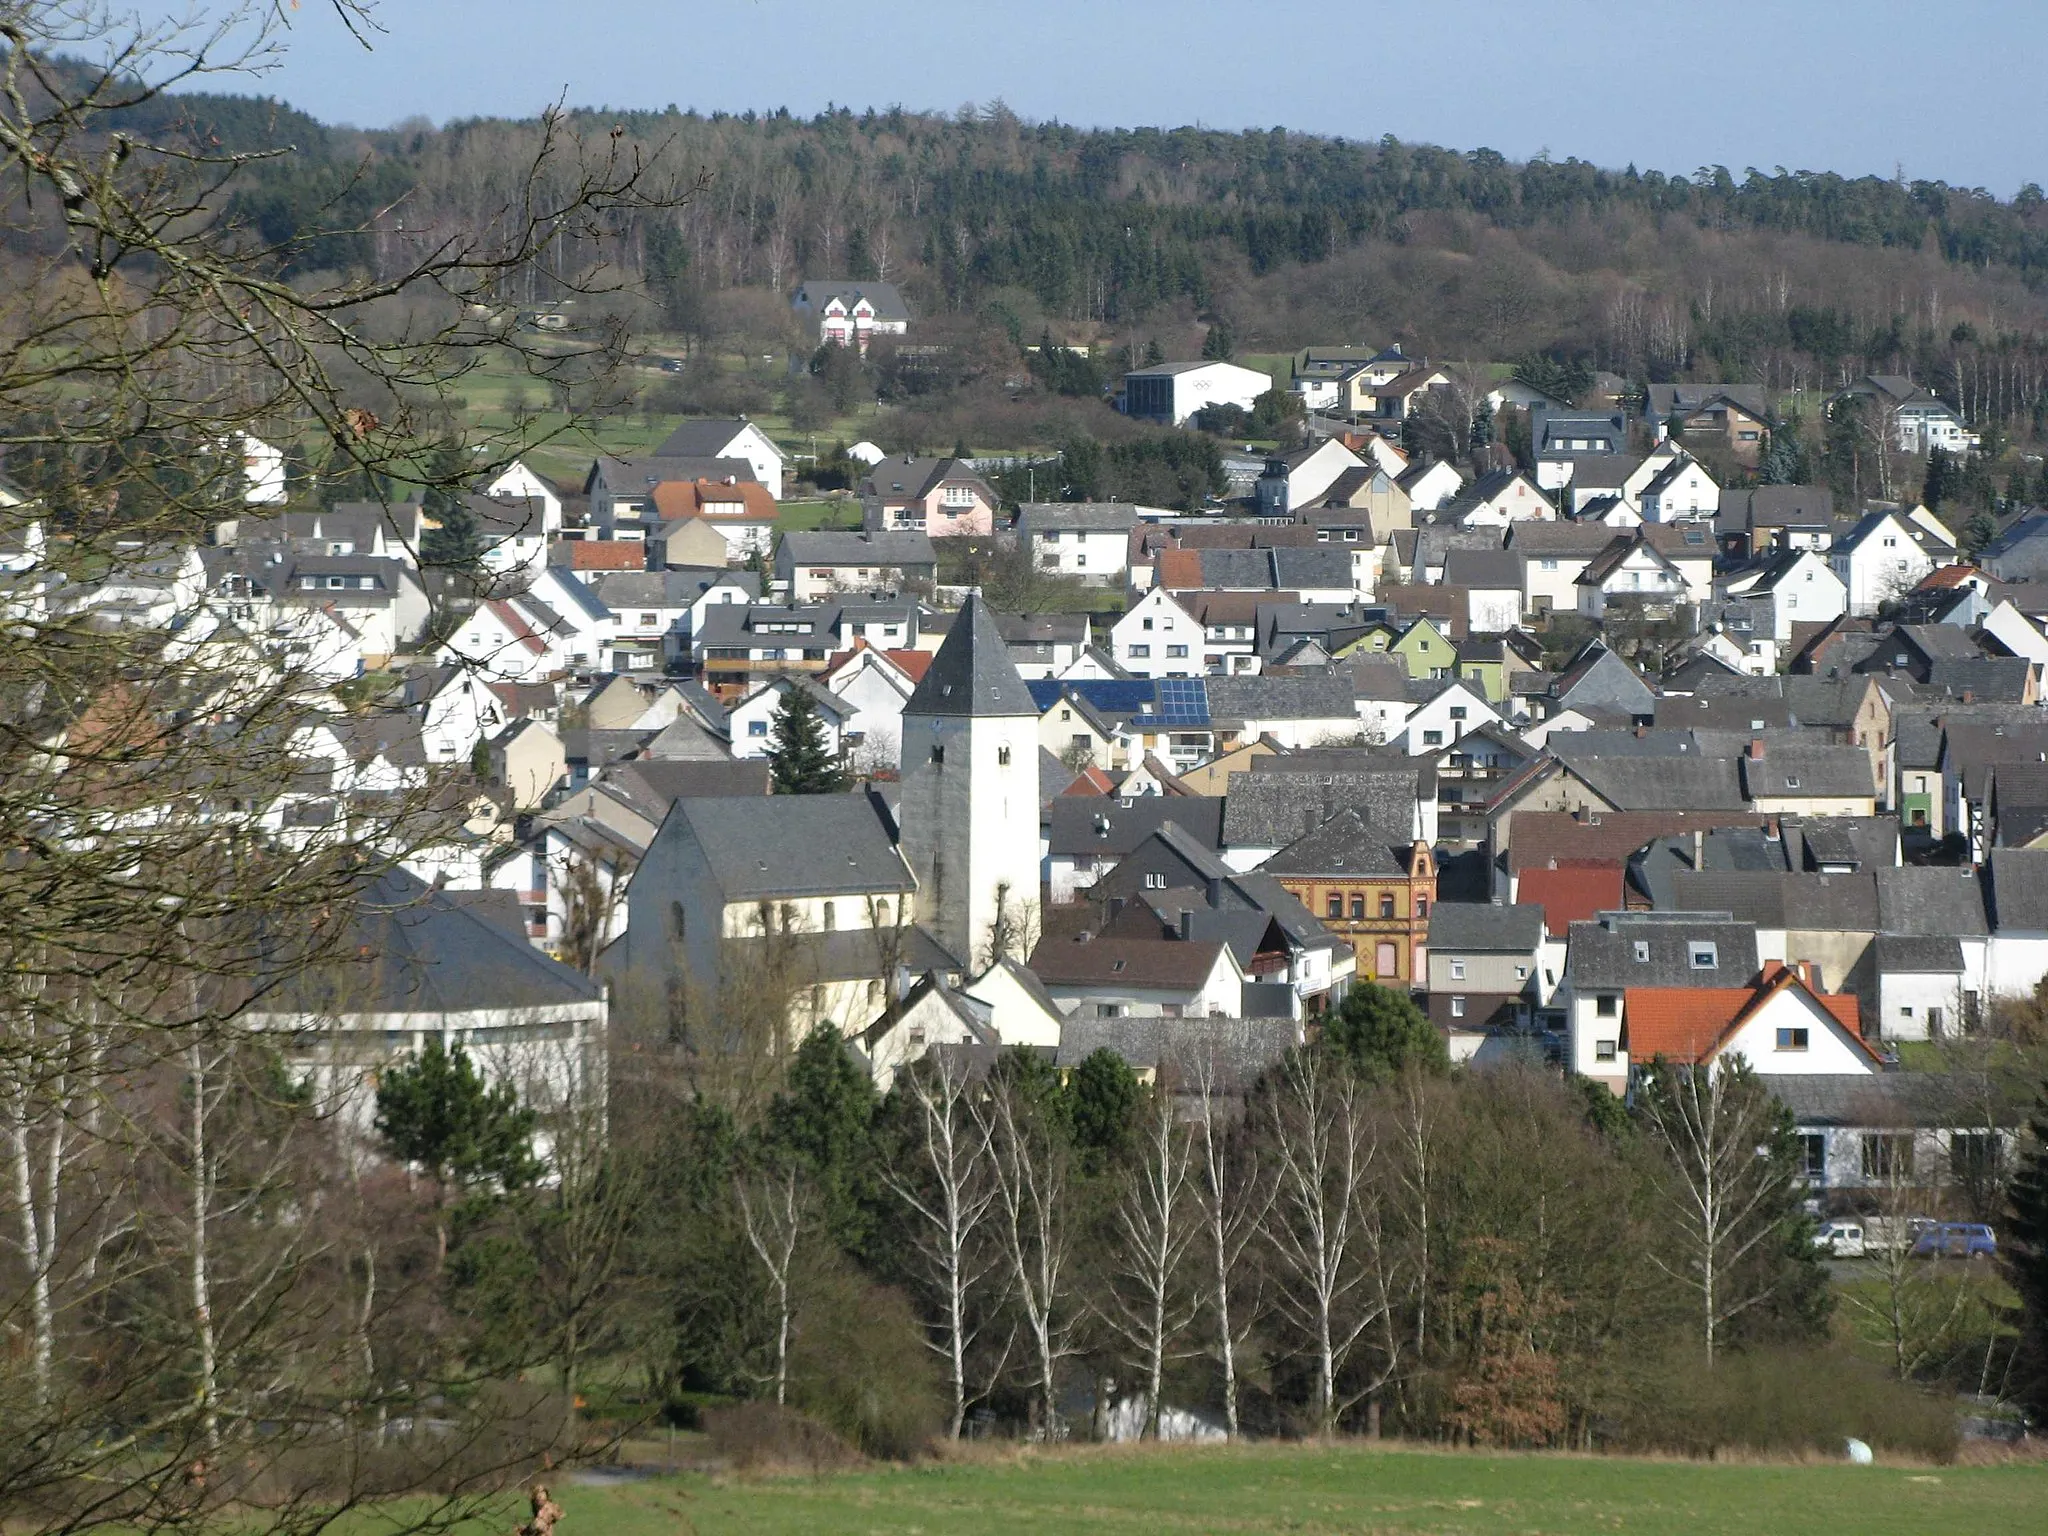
1187	923
1216	891
1699	847
1756	749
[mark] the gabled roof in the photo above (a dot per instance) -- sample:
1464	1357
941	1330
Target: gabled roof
1688	1025
1345	847
1145	964
701	439
790	845
1480	927
972	674
1569	894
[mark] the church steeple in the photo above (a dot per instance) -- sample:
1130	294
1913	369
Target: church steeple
972	674
969	801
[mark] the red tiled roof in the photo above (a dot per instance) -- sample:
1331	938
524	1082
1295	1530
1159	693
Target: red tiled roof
1540	839
1689	1025
1570	892
743	501
913	663
606	555
1090	781
1180	568
515	621
1949	576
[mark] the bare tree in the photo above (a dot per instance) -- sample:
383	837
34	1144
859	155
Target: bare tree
1324	1225
1724	1186
945	1180
1233	1199
1033	1225
774	1216
1150	1302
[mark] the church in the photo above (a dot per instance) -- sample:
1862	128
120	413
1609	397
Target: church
841	903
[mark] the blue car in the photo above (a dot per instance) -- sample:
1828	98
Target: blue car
1956	1240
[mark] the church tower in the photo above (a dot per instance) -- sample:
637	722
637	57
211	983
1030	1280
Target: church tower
969	804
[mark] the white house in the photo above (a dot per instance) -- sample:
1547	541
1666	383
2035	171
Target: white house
586	626
1783	1026
752	720
1681	491
852	313
262	471
874	690
1172	393
1295	481
1458	707
1802	589
1495	500
1086	539
502	642
459	711
1634	572
2016	632
518	481
1431	486
514	532
1158	638
1878	561
734	438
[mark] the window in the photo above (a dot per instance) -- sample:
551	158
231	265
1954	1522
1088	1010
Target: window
1705	957
1642	951
1973	1157
1155	882
1792	1039
1176	650
1002	757
1604	1005
1386	904
1422	906
1548	565
1791	781
1603	1050
1887	1154
649	620
1141	650
1457	711
1148	624
1109	1010
1432	738
1385	963
757	728
1934	1021
1335	907
1457	970
938	752
830	922
1357	909
1521	973
1813	1155
1066	714
1905	1010
1457	1007
678	919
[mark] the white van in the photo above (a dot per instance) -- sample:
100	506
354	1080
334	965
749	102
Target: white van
1840	1239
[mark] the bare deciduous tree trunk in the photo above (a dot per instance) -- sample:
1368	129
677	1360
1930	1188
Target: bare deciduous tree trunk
772	1213
1032	1221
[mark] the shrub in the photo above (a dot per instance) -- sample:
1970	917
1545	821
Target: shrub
767	1436
1782	1400
860	1365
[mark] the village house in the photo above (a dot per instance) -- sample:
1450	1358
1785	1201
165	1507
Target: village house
1090	540
1171	393
1374	890
851	313
824	564
943	498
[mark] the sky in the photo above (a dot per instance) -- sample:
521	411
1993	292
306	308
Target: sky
1948	90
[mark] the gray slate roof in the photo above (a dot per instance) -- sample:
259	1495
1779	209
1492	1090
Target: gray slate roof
1931	901
1604	956
1803	770
1271	810
1347	846
1477	926
972	674
1918	955
1099	826
1035	517
2019	887
826	547
791	845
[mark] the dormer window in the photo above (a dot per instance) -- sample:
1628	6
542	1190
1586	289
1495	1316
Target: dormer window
1705	956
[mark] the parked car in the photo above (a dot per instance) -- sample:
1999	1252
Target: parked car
1841	1239
1956	1240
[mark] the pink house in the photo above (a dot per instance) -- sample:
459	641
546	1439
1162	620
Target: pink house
941	498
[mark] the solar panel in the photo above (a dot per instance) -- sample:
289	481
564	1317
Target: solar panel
1183	701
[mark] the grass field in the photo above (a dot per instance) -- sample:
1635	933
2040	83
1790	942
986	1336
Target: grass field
1292	1489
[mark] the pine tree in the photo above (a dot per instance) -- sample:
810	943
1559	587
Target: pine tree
800	760
1943	479
1218	346
2025	1245
1379	1032
1784	461
1156	354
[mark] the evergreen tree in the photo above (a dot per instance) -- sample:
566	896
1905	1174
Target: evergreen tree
2024	1244
824	1121
1784	461
1218	346
1102	1107
435	1110
1156	354
1980	530
1944	479
800	759
1379	1032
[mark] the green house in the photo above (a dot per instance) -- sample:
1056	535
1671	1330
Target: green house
1425	651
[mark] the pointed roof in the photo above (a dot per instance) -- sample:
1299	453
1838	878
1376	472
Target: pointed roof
972	673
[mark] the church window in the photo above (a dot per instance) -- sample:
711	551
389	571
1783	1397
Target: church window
830	922
938	752
1003	757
